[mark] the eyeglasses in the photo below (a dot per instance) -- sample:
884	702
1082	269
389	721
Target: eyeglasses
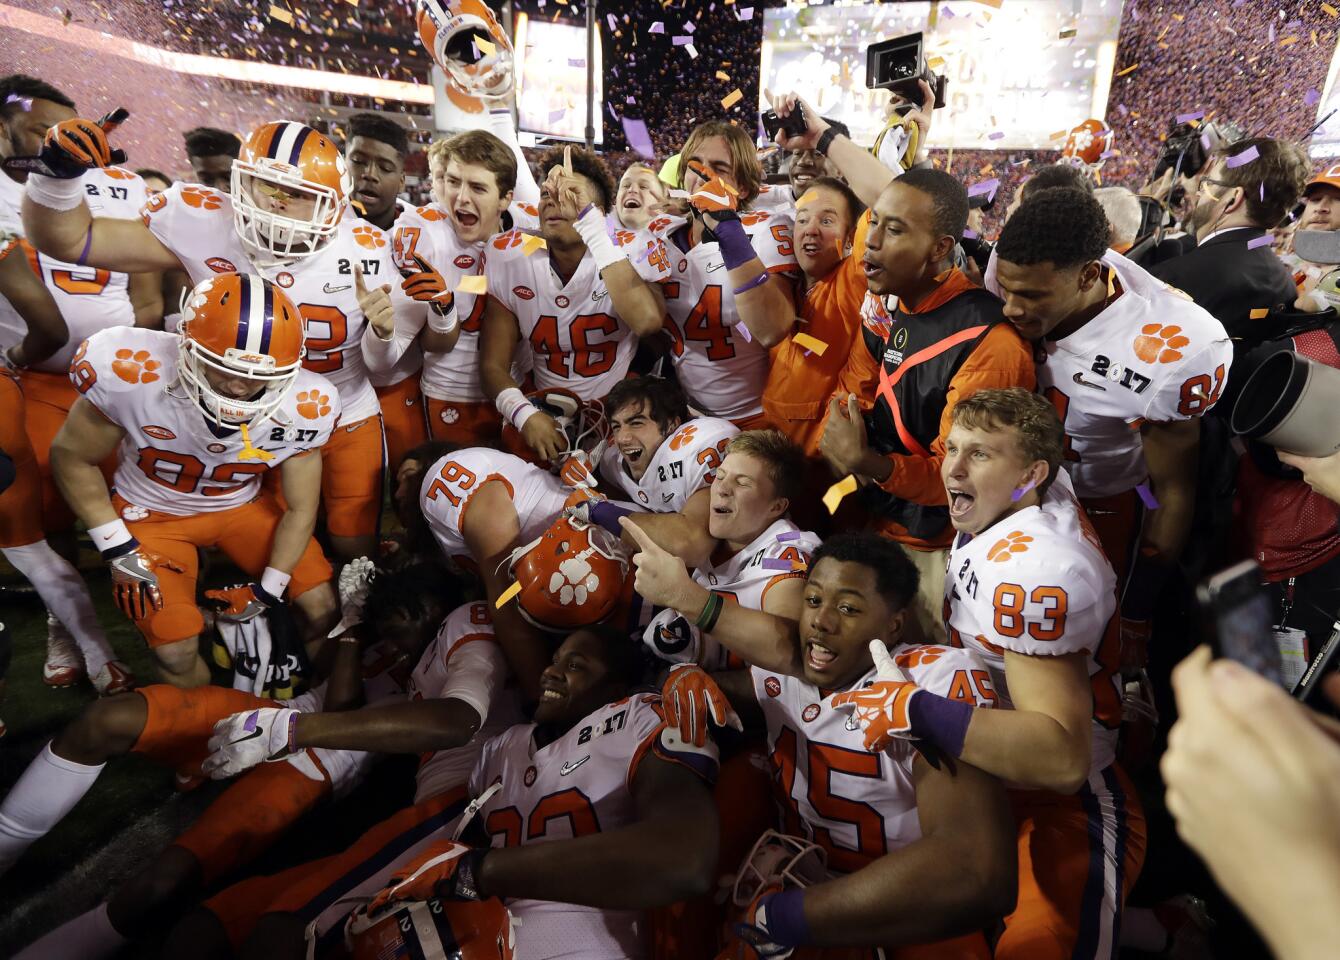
1217	183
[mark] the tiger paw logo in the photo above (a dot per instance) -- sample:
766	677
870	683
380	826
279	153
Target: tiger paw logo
750	219
135	366
369	237
450	415
681	439
574	581
624	237
1160	344
508	240
660	223
313	404
201	198
1002	550
130	513
118	173
430	213
918	656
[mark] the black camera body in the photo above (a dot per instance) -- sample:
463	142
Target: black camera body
897	64
793	123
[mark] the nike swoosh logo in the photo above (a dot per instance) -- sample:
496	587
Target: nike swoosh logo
667	497
1079	379
251	736
329	289
715	267
567	768
599	295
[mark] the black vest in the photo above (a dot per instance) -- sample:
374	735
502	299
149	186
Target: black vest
922	353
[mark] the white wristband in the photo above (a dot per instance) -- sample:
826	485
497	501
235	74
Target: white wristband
55	193
275	582
111	534
514	407
440	324
591	227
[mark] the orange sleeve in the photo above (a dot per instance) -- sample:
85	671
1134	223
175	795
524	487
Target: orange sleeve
1002	359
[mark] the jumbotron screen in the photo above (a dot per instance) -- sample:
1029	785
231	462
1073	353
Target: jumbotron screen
1017	74
551	79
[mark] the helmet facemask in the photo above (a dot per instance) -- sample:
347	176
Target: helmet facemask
271	236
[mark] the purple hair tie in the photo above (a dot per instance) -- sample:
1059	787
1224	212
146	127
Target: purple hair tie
88	242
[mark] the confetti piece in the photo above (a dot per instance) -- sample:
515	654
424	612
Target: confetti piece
657	27
838	491
996	135
507	594
744	332
723	75
639	140
1287	41
692	51
477	284
689	28
806	342
531	243
1133	67
1058	135
994	4
614	25
789	535
986	186
1067	33
969	233
935	62
1021	492
745	13
1259	313
1147	497
775	563
1262	241
488	48
1329	10
680	41
280	14
1242	159
731	99
1188	117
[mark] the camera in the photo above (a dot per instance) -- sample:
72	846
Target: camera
1289	402
793	123
897	64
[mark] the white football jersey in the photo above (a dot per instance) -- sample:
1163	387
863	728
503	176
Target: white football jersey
683	464
464	662
776	199
781	552
410	362
577	785
427	232
170	460
89	299
1037	583
722	371
1152	355
575	339
196	224
537	495
821	766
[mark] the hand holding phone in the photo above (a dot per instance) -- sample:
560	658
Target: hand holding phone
1241	612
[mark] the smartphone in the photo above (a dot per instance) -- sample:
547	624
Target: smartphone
1240	608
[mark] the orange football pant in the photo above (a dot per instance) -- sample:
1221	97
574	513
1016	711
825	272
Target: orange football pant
403	418
48	398
21	504
467	424
352	462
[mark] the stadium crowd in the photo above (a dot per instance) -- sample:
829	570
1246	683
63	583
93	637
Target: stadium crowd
794	568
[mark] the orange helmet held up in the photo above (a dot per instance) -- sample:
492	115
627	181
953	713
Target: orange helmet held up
466	40
1088	144
572	576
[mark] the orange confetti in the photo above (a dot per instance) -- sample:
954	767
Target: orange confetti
994	4
731	99
1259	313
1058	135
1130	69
1330	11
806	342
507	594
280	14
477	284
723	75
838	491
1287	41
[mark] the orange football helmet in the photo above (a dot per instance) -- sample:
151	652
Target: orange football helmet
239	325
1087	145
572	576
582	422
450	30
779	858
445	929
284	169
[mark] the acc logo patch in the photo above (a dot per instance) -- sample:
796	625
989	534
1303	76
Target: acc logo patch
525	293
810	712
561	300
132	513
220	265
529	778
159	433
217	447
285	279
773	687
641	495
464	262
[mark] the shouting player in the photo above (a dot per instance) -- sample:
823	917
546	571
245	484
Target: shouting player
178	411
288	212
575	301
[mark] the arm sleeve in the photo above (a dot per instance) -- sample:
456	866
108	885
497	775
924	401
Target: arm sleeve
1000	360
501	126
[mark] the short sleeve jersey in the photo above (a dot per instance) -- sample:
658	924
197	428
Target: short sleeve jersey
1152	355
723	371
775	199
1037	583
856	805
684	463
781	552
452	481
575	786
170	460
196	224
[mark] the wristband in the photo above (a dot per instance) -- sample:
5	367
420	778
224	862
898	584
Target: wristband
825	141
275	582
736	250
607	514
514	407
591	227
711	613
465	881
784	918
758	281
55	193
941	721
442	323
112	539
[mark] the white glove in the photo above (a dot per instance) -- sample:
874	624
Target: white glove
355	583
248	738
594	233
885	667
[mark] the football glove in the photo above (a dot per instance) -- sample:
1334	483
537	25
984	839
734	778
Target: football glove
715	197
753	941
241	602
691	699
73	146
246	739
576	472
445	870
428	286
134	581
883	709
354	584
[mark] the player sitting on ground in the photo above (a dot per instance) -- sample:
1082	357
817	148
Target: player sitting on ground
179	411
919	847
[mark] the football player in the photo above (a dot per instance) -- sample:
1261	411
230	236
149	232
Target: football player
552	298
917	849
178	411
290	188
1131	365
589	815
388	624
89	299
211	152
803	167
728	277
640	197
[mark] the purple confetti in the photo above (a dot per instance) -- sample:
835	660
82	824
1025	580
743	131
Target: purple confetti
689	28
639	140
986	186
997	135
1262	241
1311	97
680	41
775	563
612	22
657	27
1188	117
557	115
744	332
1242	159
1021	492
745	13
969	233
1205	142
789	535
1147	496
1121	108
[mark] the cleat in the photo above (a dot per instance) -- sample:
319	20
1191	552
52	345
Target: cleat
114	677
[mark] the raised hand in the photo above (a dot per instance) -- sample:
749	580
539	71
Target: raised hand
691	699
376	305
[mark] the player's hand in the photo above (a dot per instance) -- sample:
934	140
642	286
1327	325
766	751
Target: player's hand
76	145
1134	646
241	602
883	709
135	583
542	435
786	104
661	578
752	939
250	737
691	699
428	876
921	116
354	584
843	443
576	472
714	197
376	305
428	286
563	185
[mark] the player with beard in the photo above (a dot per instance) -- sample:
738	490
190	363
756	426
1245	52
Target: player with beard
917	848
